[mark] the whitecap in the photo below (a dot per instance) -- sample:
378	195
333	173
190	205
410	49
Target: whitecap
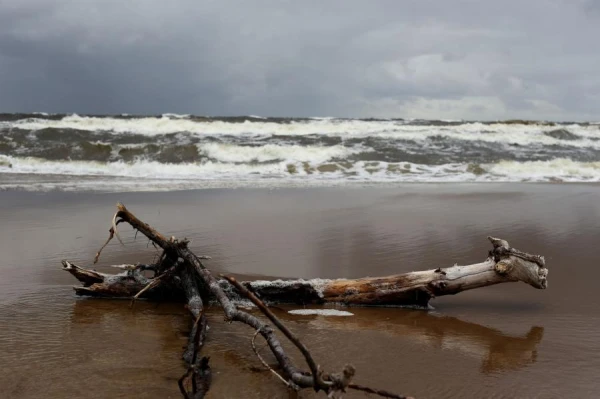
501	133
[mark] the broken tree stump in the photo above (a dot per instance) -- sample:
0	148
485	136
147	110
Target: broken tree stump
179	274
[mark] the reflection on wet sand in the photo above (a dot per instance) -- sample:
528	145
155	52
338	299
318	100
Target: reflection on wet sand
154	334
498	351
105	312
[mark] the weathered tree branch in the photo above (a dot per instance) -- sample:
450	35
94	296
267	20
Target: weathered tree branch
318	382
504	265
198	369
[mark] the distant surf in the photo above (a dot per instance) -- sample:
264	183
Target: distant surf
49	151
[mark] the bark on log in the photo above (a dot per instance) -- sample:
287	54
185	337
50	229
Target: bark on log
504	264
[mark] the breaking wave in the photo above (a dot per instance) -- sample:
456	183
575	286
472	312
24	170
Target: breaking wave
519	133
38	151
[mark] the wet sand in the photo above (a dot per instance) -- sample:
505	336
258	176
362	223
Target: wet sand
505	341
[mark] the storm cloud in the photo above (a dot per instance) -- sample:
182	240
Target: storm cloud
537	59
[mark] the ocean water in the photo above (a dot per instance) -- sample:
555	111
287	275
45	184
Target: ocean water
165	152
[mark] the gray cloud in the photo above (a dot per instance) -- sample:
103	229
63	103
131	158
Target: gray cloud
431	59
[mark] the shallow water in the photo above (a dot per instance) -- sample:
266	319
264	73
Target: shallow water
505	341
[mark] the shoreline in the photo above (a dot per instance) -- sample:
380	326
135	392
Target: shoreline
36	183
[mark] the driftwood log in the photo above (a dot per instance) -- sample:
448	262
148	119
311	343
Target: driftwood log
179	274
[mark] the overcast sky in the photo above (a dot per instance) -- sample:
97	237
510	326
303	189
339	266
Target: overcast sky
457	59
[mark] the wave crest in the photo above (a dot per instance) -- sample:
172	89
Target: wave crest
283	172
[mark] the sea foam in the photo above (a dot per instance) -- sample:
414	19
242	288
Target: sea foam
501	133
504	171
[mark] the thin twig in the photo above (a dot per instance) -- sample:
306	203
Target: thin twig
111	234
265	363
318	381
379	392
114	226
155	282
150	285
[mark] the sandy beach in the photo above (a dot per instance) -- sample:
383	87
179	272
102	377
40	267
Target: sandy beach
505	341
